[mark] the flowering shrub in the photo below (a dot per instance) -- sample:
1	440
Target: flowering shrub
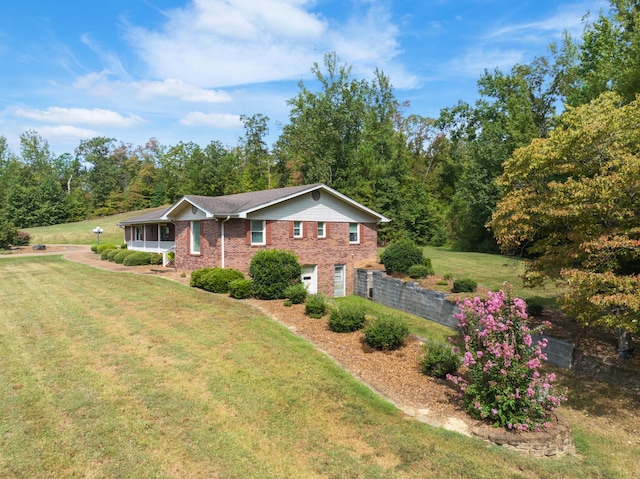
503	384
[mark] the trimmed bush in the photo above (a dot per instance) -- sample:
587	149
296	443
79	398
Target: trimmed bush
273	271
94	248
171	256
442	282
102	247
110	254
137	258
421	270
296	293
216	280
401	255
122	254
241	288
464	285
196	277
386	332
156	258
439	359
346	318
315	306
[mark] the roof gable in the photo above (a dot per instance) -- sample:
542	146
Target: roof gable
242	204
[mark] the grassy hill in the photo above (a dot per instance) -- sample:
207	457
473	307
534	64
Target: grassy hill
81	232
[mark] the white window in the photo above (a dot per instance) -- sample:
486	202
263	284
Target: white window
258	232
164	232
322	229
195	237
354	233
297	229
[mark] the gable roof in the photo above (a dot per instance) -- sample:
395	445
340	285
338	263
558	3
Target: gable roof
241	204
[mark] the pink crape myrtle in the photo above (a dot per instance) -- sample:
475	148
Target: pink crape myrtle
503	385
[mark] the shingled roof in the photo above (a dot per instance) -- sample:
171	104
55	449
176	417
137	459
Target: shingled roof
238	205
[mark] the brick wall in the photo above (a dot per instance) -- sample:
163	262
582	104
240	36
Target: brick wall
327	252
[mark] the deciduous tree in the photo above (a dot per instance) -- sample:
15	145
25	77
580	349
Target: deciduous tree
572	203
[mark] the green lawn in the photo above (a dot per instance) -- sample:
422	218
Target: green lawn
119	375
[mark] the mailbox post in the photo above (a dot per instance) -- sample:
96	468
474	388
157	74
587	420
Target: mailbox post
97	230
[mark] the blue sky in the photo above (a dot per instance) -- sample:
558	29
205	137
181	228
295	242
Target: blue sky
185	70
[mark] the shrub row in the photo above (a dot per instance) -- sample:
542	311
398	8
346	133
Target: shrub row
214	280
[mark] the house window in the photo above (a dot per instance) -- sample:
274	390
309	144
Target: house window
322	229
195	237
297	229
258	232
354	233
138	233
164	232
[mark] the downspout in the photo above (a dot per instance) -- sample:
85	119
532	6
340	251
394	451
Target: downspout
222	240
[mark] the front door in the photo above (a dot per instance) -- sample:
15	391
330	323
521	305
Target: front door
338	280
310	278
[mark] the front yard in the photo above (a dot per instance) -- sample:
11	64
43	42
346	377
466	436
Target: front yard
119	375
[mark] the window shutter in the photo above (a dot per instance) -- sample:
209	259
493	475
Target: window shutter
247	232
291	223
361	232
327	230
314	229
268	232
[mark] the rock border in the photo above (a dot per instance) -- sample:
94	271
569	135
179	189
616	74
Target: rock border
557	441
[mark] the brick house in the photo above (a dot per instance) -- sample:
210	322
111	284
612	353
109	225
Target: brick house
329	232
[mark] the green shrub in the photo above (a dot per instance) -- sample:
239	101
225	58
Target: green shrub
171	255
386	332
315	306
296	293
421	270
137	258
439	359
448	276
534	308
122	254
102	247
196	277
273	271
401	255
442	282
94	248
346	318
156	258
22	238
288	303
464	285
216	280
241	288
110	254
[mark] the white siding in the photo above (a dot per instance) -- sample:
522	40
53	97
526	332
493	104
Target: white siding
184	214
304	208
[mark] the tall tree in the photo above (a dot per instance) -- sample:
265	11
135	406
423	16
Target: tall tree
257	170
513	109
572	202
605	58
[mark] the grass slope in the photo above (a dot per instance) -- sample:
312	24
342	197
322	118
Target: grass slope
81	232
111	375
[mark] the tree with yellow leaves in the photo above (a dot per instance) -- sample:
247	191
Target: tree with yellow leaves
572	204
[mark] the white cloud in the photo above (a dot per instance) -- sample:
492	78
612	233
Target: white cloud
83	116
221	43
474	62
215	120
100	84
66	133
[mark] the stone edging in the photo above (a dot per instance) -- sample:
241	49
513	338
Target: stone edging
557	441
